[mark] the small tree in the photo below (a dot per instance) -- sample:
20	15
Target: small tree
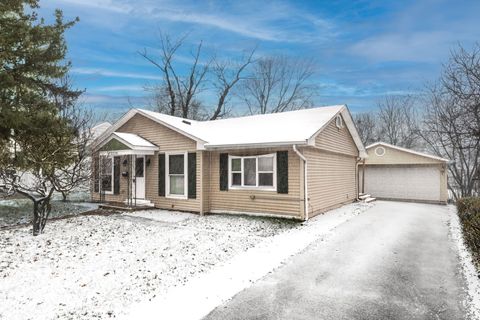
42	147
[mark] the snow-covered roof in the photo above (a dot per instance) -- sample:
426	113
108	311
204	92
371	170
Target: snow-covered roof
286	128
133	140
421	154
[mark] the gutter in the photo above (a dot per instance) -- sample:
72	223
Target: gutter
304	179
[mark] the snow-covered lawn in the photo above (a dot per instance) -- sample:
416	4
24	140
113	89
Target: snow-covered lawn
96	266
107	266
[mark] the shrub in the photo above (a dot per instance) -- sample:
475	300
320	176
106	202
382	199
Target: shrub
469	214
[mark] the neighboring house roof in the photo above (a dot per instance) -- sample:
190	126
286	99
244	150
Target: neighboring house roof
99	129
421	154
266	130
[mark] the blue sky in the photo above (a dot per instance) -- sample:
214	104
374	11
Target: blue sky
363	49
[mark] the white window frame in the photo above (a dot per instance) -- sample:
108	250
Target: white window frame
185	174
100	173
256	186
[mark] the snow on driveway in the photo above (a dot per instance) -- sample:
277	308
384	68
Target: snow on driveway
96	266
209	290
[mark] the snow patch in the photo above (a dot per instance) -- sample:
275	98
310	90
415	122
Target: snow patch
205	292
162	215
468	269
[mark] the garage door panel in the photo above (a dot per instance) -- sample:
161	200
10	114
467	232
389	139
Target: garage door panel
403	182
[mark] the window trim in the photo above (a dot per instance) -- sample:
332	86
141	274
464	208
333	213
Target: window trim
256	186
185	175
100	174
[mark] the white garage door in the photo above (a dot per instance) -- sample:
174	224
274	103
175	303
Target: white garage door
403	182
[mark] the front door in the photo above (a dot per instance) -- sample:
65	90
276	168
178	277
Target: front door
138	181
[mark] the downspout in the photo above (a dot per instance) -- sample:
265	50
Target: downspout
357	174
304	179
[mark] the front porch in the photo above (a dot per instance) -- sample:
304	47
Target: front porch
121	172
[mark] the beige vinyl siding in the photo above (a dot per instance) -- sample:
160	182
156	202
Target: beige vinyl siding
337	140
331	169
331	180
151	190
167	140
253	201
394	156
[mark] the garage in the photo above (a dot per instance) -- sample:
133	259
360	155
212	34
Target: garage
394	173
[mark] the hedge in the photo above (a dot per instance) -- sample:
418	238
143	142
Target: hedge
469	214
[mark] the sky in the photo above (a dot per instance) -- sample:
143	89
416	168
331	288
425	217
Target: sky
363	50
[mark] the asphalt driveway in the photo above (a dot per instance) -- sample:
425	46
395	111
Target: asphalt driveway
395	261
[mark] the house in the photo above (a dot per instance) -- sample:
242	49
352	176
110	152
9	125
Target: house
294	164
394	173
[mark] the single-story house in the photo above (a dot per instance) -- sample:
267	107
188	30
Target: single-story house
395	173
294	164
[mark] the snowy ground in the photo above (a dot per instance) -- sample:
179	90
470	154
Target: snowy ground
96	266
472	276
19	211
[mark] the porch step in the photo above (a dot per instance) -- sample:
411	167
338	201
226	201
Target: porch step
141	202
369	199
363	196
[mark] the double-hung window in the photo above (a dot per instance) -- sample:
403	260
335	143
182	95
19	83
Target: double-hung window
176	175
106	174
253	172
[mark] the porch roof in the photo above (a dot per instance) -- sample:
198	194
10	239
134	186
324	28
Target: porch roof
122	143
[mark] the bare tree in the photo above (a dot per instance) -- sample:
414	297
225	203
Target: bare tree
227	75
452	120
398	121
179	94
366	124
279	84
181	90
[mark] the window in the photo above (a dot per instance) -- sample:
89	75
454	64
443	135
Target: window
253	172
106	174
380	151
177	177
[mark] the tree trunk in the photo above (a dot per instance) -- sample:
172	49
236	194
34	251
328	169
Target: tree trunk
41	212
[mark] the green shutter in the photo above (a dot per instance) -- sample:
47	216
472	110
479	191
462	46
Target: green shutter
116	175
192	175
161	175
224	172
282	171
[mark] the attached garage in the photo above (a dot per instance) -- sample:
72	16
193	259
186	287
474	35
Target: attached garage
395	173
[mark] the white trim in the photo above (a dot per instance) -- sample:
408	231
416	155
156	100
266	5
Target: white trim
133	148
254	145
256	186
185	175
257	214
406	150
127	152
305	177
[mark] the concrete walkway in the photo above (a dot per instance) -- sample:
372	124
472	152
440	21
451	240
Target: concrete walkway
395	261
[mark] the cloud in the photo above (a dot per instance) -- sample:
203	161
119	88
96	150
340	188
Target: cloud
413	46
283	23
120	88
115	74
